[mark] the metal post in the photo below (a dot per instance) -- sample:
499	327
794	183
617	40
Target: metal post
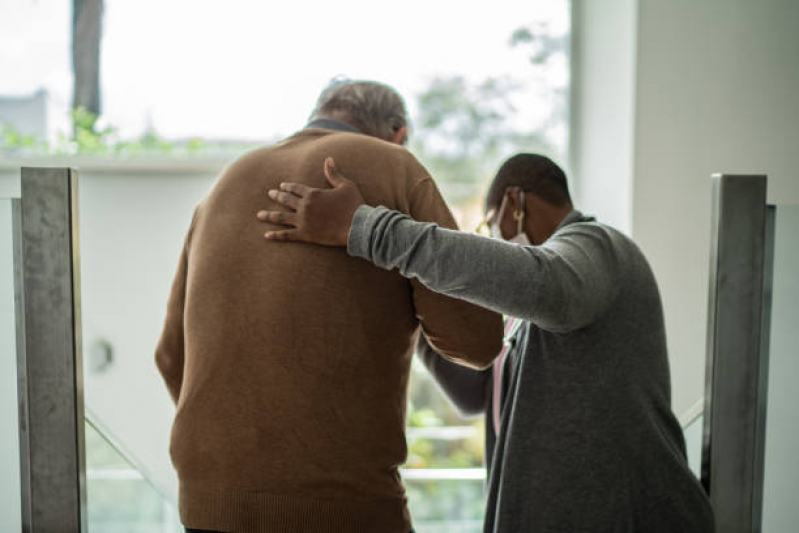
737	352
53	466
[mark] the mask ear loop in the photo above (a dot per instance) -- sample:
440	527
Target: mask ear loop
518	215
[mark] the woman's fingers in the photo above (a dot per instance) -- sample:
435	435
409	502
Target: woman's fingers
283	218
284	235
285	198
297	189
315	215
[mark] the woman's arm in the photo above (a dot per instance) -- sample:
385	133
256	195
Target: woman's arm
466	388
560	286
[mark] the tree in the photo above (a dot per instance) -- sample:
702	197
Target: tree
464	129
87	29
546	47
463	132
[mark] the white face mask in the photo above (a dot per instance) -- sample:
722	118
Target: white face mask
521	237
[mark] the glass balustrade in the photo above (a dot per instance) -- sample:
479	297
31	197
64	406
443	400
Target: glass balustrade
10	504
781	476
121	498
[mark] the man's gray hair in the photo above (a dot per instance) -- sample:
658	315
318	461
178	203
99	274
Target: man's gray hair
374	108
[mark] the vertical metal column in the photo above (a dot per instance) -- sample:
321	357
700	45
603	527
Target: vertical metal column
737	352
50	371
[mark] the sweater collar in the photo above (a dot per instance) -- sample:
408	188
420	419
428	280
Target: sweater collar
574	217
331	124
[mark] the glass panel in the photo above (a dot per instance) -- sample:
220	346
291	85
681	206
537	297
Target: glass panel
781	482
120	499
443	502
10	504
437	436
444	475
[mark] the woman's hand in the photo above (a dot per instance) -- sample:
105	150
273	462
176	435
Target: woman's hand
319	216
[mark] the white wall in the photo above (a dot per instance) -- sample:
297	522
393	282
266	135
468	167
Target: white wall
602	108
716	89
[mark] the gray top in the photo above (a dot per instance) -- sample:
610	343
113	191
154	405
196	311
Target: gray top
588	441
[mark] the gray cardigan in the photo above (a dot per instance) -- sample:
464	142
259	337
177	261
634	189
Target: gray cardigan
588	441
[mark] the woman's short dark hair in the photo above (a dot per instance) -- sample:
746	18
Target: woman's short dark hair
532	173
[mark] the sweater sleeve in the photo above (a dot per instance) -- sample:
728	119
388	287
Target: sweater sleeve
560	286
169	353
457	330
466	388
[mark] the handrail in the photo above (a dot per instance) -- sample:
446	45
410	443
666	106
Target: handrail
441	432
692	414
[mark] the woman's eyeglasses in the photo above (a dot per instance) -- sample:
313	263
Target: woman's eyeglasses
484	227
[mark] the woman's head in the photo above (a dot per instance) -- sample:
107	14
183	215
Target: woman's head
531	173
527	200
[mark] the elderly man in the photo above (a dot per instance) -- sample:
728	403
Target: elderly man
289	366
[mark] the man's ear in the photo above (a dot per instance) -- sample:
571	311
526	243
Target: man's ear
399	136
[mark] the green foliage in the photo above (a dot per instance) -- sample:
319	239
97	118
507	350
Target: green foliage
464	131
11	137
90	138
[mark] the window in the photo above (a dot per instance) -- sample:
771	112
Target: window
187	85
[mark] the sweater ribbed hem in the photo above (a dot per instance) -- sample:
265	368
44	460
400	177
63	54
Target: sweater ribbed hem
256	512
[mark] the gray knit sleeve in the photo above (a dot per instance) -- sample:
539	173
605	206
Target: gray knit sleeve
560	286
466	388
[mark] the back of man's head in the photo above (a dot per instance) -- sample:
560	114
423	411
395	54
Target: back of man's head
532	173
373	108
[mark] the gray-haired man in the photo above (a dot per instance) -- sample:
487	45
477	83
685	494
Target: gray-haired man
289	367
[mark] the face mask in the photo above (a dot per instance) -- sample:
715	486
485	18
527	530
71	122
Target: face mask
521	237
496	233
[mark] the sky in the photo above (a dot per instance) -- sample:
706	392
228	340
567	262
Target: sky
250	69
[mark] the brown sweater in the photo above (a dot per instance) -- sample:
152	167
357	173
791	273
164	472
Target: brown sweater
289	363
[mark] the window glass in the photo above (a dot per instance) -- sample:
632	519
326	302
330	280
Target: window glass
187	85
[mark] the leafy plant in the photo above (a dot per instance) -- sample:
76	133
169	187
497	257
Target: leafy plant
90	138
